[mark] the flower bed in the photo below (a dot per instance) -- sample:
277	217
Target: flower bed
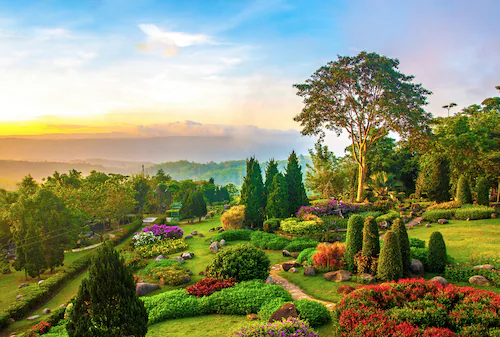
461	272
164	231
163	247
290	327
419	308
208	286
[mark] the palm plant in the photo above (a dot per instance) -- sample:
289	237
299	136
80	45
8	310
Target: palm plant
383	185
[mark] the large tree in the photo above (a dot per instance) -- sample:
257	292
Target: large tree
277	199
366	96
252	194
296	191
271	172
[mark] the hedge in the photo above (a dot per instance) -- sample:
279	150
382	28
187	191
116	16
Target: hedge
474	212
436	214
234	235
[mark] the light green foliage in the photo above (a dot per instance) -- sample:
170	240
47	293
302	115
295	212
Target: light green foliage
164	247
390	265
399	230
436	214
354	239
474	212
234	235
371	244
313	312
445	205
269	308
388	217
295	226
483	192
436	258
265	240
306	256
464	195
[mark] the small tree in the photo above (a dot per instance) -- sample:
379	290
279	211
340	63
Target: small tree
253	194
271	172
33	252
106	304
371	244
199	205
434	178
354	240
483	191
187	209
277	199
296	191
233	218
404	244
464	195
390	265
436	258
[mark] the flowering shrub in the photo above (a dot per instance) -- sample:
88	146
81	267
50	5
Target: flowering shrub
39	329
331	207
144	239
418	308
286	328
295	226
461	272
208	286
164	231
163	247
329	256
132	260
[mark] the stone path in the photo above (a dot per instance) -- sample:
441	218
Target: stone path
414	222
295	291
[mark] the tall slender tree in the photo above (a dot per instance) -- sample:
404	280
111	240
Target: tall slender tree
277	200
271	172
252	194
296	191
199	205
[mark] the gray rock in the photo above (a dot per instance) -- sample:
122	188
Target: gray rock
200	235
292	270
221	230
201	273
142	289
186	279
366	278
479	280
214	247
189	272
194	233
288	265
484	266
222	243
187	237
18	297
309	271
187	256
40	282
416	268
46	311
179	259
338	276
428	225
159	258
32	318
270	280
286	253
442	221
440	279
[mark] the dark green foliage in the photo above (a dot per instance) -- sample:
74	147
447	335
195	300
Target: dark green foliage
271	225
404	244
253	194
354	240
233	235
277	199
371	243
483	192
265	240
199	205
271	172
417	243
4	319
436	258
464	195
420	253
241	262
296	191
434	178
390	265
34	260
106	304
313	312
188	206
270	307
141	188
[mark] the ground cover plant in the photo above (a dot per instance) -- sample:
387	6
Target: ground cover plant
287	327
461	272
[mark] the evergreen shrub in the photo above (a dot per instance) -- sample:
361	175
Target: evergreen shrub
464	195
436	258
315	313
404	244
371	244
483	192
474	212
354	239
390	264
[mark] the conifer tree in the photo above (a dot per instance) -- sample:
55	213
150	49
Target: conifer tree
200	206
390	265
483	192
371	244
296	191
271	172
106	304
354	240
464	195
404	244
277	200
436	255
252	194
187	208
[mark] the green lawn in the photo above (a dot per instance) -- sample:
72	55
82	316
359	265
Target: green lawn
464	238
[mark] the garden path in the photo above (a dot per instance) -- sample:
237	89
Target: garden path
414	222
295	291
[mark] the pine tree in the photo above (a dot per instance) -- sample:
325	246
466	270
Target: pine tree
464	195
277	200
390	265
371	243
271	172
483	192
200	206
436	256
354	240
404	244
252	194
296	191
187	208
106	304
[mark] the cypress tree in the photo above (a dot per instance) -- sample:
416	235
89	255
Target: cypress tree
390	265
252	194
187	208
106	304
436	256
277	200
464	195
296	191
271	172
200	206
354	240
483	192
404	244
371	244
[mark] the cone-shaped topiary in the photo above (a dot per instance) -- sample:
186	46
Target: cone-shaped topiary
404	244
354	240
483	192
436	256
390	264
371	244
463	191
106	303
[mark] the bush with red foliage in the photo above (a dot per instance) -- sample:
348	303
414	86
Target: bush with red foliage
39	329
208	286
419	308
329	256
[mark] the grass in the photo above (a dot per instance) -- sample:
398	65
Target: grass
464	238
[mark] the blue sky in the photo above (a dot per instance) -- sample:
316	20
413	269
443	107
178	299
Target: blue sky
115	64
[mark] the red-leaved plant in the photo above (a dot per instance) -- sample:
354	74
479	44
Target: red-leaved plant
330	256
208	286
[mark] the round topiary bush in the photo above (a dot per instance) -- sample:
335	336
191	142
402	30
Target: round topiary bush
315	313
371	244
483	192
242	262
418	308
436	258
390	265
404	244
464	195
354	240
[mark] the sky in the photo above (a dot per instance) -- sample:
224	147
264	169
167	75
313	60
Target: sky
148	68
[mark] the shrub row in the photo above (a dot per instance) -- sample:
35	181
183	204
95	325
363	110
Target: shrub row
436	214
233	235
295	226
472	212
445	205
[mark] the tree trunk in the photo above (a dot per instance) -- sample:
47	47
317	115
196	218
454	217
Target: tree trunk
362	168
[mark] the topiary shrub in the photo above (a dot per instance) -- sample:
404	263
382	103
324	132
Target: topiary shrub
233	218
436	258
241	262
404	244
315	313
464	195
371	244
483	192
390	264
298	244
354	240
329	256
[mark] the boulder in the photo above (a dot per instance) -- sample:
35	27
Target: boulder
309	271
32	318
287	310
221	230
442	221
295	255
214	247
187	256
428	225
416	268
440	279
159	258
200	235
338	276
366	278
201	273
286	266
187	237
194	233
292	270
270	280
286	253
252	317
484	266
46	311
186	279
222	242
40	282
211	229
142	289
344	289
18	297
179	259
479	280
